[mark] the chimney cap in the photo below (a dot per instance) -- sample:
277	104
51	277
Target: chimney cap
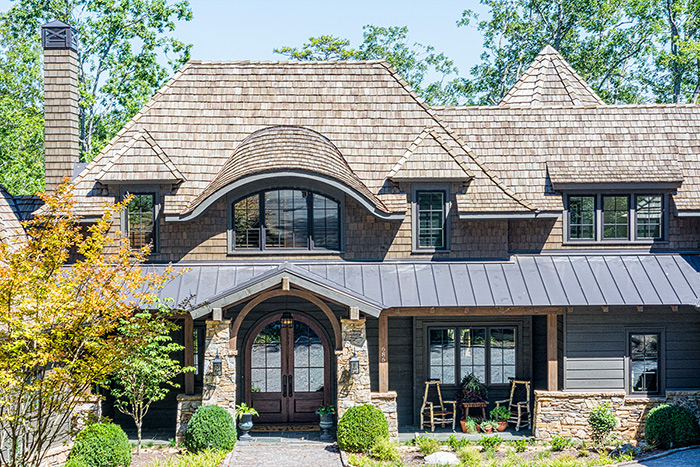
59	35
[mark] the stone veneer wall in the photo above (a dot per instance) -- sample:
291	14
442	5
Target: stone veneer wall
386	402
353	389
566	413
219	390
186	406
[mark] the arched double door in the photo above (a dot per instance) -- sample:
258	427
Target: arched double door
287	374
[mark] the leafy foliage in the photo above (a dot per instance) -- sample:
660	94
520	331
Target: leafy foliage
59	326
490	442
206	458
360	428
412	61
671	426
101	445
456	443
211	426
500	413
385	450
146	375
520	445
559	443
602	422
426	445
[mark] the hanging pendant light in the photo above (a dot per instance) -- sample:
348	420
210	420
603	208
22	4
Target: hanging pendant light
287	320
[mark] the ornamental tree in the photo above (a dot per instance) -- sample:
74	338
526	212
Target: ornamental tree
60	321
146	375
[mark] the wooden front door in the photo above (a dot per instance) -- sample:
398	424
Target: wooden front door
287	371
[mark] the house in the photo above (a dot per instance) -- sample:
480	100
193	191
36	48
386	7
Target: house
326	214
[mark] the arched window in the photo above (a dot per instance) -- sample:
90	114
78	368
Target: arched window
286	219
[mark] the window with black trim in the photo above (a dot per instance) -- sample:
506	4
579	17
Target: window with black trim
431	227
615	217
644	358
141	216
487	352
286	219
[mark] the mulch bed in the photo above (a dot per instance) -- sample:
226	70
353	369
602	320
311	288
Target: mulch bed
151	454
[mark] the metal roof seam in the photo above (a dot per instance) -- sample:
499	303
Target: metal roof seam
595	278
617	286
578	281
527	289
398	283
658	295
471	285
415	278
685	278
505	278
561	283
488	282
670	284
546	292
634	283
437	295
454	286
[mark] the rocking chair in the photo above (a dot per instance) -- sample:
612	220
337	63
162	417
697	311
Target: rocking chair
438	412
518	404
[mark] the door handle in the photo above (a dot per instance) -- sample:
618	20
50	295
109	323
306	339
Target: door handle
291	393
284	386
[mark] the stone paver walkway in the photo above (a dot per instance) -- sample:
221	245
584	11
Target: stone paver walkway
689	458
261	454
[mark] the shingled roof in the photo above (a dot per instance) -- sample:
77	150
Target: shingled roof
550	80
364	108
11	229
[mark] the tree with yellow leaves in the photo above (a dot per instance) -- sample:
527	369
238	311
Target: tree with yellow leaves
66	290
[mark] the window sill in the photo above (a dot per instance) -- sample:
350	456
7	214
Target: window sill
615	242
429	251
284	252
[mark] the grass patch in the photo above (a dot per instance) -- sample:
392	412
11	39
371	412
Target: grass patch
206	458
427	446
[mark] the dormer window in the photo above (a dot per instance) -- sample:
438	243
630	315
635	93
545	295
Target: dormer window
141	221
286	219
615	217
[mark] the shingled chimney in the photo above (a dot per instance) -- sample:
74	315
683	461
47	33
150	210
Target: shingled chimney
61	127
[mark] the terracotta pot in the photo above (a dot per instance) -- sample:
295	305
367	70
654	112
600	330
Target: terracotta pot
488	430
502	426
478	429
464	426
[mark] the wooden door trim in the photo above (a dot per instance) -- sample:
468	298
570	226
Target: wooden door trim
315	326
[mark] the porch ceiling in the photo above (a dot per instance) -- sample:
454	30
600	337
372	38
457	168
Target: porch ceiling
524	280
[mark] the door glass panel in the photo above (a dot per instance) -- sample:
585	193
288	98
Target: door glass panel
308	359
266	360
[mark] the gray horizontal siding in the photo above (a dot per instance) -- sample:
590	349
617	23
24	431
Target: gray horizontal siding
596	346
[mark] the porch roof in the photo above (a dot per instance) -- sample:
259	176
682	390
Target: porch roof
523	280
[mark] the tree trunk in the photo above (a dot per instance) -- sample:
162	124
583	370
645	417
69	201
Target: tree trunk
138	437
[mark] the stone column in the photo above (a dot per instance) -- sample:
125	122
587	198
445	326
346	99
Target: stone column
186	406
219	390
353	389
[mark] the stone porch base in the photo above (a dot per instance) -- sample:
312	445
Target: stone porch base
186	406
386	402
566	413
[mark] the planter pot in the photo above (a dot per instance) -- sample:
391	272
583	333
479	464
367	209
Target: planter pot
466	429
478	429
487	430
502	426
245	423
326	424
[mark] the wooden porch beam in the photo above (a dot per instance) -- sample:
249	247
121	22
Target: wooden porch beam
552	363
188	329
383	353
475	311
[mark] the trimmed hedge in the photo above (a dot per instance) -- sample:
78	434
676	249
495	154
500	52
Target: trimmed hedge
361	427
212	427
101	445
672	426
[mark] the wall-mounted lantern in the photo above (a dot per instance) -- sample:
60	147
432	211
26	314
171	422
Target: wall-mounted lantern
354	365
216	366
287	321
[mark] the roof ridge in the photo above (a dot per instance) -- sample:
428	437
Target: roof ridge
493	177
285	62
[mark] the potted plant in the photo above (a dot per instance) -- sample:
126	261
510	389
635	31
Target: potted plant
245	419
326	413
487	426
470	390
501	415
469	425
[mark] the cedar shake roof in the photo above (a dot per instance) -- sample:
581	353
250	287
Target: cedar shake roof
430	157
611	143
291	148
11	228
204	113
140	160
550	80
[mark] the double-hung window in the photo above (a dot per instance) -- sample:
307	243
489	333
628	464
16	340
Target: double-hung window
141	220
615	217
431	225
644	362
487	352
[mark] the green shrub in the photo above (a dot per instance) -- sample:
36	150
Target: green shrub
490	442
101	445
520	445
212	427
672	426
456	443
602	422
206	458
427	446
360	427
385	450
469	456
559	443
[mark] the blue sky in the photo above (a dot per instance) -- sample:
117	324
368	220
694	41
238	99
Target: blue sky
250	30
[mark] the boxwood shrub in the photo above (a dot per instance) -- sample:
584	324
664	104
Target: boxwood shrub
671	426
212	427
101	445
361	427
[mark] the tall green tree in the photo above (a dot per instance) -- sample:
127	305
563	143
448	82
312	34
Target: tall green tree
415	62
606	41
121	42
